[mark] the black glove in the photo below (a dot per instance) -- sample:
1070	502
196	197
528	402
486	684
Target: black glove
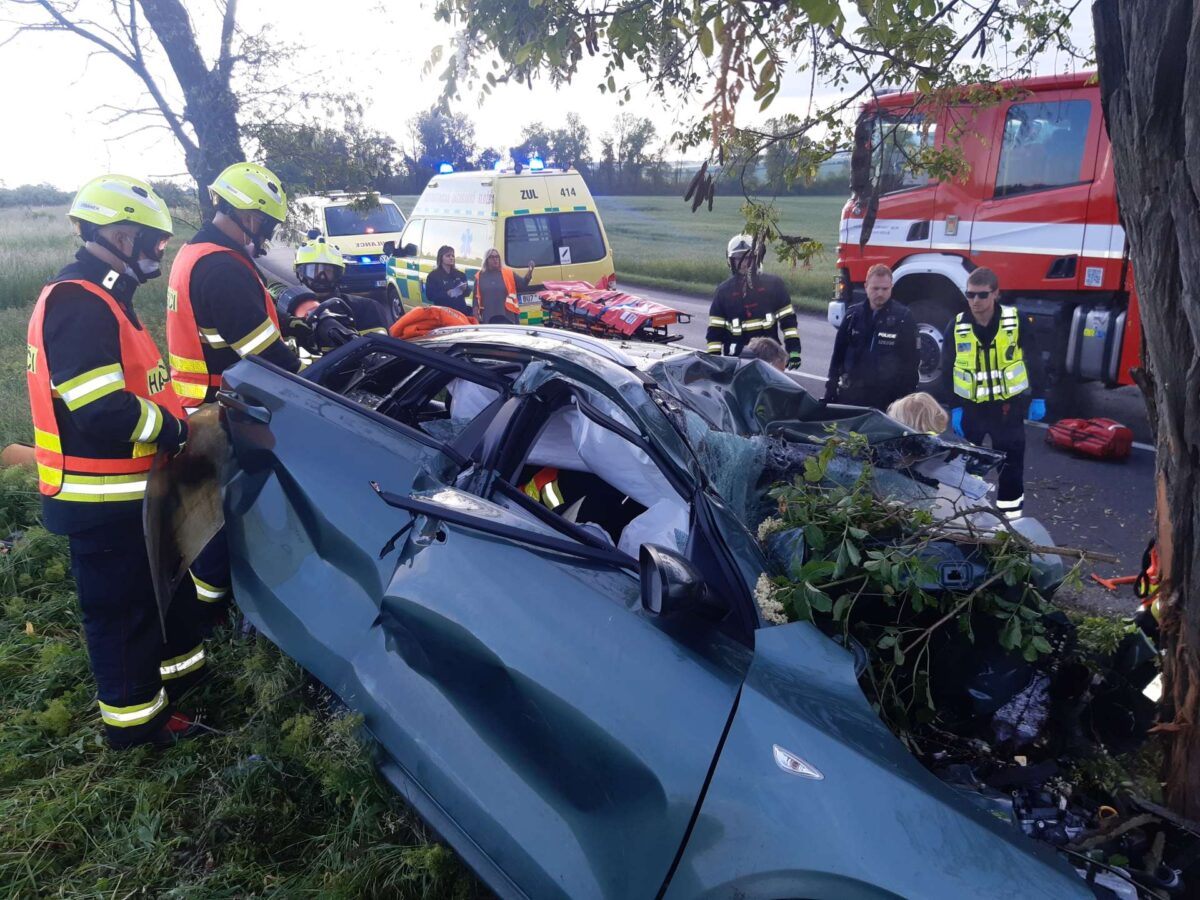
332	324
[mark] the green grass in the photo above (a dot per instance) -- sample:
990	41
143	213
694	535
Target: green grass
279	798
659	242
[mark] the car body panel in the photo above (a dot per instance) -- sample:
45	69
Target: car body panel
566	742
875	825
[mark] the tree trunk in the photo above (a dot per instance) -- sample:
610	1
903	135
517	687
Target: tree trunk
210	105
1149	60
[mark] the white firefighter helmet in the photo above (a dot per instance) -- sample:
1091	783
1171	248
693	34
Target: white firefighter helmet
739	244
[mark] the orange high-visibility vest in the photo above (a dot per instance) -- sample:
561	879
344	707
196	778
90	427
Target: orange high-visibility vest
86	477
511	304
185	343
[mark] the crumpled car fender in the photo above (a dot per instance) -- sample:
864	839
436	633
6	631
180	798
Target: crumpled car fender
858	817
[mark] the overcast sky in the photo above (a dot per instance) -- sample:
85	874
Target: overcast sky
56	133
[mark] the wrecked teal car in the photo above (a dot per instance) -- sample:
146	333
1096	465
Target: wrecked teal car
584	701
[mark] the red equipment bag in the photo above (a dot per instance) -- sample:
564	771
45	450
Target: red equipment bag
1101	438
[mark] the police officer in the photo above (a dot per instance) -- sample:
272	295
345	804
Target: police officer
993	367
102	407
874	358
750	304
317	314
219	311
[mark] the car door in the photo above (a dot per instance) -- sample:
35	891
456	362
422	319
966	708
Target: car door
1031	229
303	524
563	731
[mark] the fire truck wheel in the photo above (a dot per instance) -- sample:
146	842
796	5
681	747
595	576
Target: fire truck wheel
932	315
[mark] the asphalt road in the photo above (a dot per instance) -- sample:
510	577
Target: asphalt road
1089	504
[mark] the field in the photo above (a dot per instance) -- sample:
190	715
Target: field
659	242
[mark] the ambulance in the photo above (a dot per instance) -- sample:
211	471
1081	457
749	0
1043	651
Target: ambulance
358	234
526	212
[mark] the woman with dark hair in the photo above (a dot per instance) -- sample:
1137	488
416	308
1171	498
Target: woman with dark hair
446	285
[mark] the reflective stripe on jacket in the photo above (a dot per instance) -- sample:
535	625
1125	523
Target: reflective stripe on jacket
996	372
73	473
186	340
543	487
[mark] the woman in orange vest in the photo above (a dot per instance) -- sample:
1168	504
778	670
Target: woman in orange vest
496	287
103	406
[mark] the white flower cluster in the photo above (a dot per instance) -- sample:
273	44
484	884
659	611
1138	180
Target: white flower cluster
766	595
768	527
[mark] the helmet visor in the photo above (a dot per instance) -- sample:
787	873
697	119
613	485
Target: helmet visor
318	273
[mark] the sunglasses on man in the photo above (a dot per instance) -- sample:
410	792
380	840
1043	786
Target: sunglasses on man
978	295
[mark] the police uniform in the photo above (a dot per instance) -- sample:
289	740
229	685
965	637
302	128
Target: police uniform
748	306
993	371
102	407
874	360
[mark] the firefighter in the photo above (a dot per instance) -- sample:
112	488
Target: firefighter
875	359
496	287
103	406
321	318
993	368
219	311
750	304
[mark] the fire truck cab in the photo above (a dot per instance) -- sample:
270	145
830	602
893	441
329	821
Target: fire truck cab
1036	202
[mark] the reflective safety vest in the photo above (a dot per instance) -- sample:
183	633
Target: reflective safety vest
186	340
997	373
75	474
543	487
511	303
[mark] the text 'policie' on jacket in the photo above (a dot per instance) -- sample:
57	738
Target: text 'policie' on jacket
875	354
100	395
738	315
993	363
218	311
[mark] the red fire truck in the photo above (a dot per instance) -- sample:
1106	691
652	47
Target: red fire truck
1038	204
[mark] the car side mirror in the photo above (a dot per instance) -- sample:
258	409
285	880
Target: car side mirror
409	250
670	583
389	248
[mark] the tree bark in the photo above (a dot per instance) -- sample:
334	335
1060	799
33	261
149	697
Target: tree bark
1149	60
210	107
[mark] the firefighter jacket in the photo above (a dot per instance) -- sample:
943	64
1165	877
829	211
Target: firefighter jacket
101	399
218	311
746	307
874	358
488	308
996	362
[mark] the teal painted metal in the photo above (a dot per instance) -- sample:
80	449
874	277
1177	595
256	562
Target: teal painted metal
558	736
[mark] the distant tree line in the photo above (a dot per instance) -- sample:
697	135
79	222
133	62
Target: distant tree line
311	158
632	157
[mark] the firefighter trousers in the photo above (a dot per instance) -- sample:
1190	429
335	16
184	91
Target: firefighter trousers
1004	422
136	671
210	575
